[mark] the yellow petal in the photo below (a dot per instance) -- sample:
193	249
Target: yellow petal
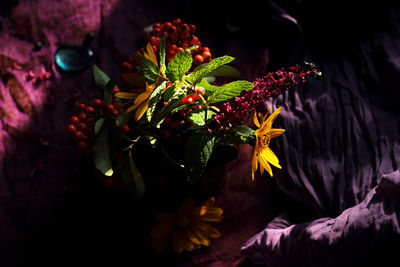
141	110
276	132
142	97
178	241
206	205
272	158
126	95
150	54
182	221
214	233
255	119
264	164
254	163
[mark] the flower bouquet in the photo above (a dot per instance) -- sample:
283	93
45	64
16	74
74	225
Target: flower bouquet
167	125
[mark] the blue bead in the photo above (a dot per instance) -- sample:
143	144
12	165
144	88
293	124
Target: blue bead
73	58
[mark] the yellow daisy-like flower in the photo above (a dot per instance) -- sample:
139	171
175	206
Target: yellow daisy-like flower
141	99
189	228
264	134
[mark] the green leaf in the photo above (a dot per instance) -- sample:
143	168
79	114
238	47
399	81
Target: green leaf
204	69
170	92
108	90
208	87
198	118
198	151
149	70
98	124
178	66
123	118
229	91
155	97
101	153
131	177
100	78
238	135
172	103
225	71
162	55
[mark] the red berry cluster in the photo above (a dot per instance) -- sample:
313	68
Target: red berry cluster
179	36
193	97
81	125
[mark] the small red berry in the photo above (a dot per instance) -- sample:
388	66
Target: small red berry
205	48
89	110
71	128
82	117
115	90
206	56
177	22
198	59
73	120
82	145
154	48
192	28
110	108
200	90
97	102
80	136
124	129
81	127
81	106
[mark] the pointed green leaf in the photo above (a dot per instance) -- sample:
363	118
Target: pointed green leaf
101	153
179	65
155	97
108	90
162	55
198	118
131	177
204	69
229	91
225	71
198	151
149	70
238	135
123	118
170	92
172	103
208	87
100	78
98	124
137	178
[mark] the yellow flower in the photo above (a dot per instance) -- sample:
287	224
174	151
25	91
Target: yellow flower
189	228
141	100
264	134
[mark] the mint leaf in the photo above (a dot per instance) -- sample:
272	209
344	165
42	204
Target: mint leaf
179	65
162	55
122	119
238	135
172	103
198	151
208	87
204	69
149	70
155	97
108	91
98	124
225	71
100	78
170	92
198	118
229	91
131	177
101	152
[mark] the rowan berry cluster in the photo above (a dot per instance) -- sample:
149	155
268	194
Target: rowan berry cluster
179	37
81	125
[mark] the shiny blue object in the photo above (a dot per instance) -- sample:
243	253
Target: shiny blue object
73	58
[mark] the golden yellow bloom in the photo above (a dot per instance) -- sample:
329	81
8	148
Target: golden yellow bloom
141	100
189	228
263	134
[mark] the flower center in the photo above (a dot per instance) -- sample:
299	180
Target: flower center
264	140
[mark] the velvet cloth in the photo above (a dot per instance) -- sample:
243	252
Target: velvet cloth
336	192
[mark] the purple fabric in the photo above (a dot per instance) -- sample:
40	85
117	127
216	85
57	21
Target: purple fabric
355	237
342	136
